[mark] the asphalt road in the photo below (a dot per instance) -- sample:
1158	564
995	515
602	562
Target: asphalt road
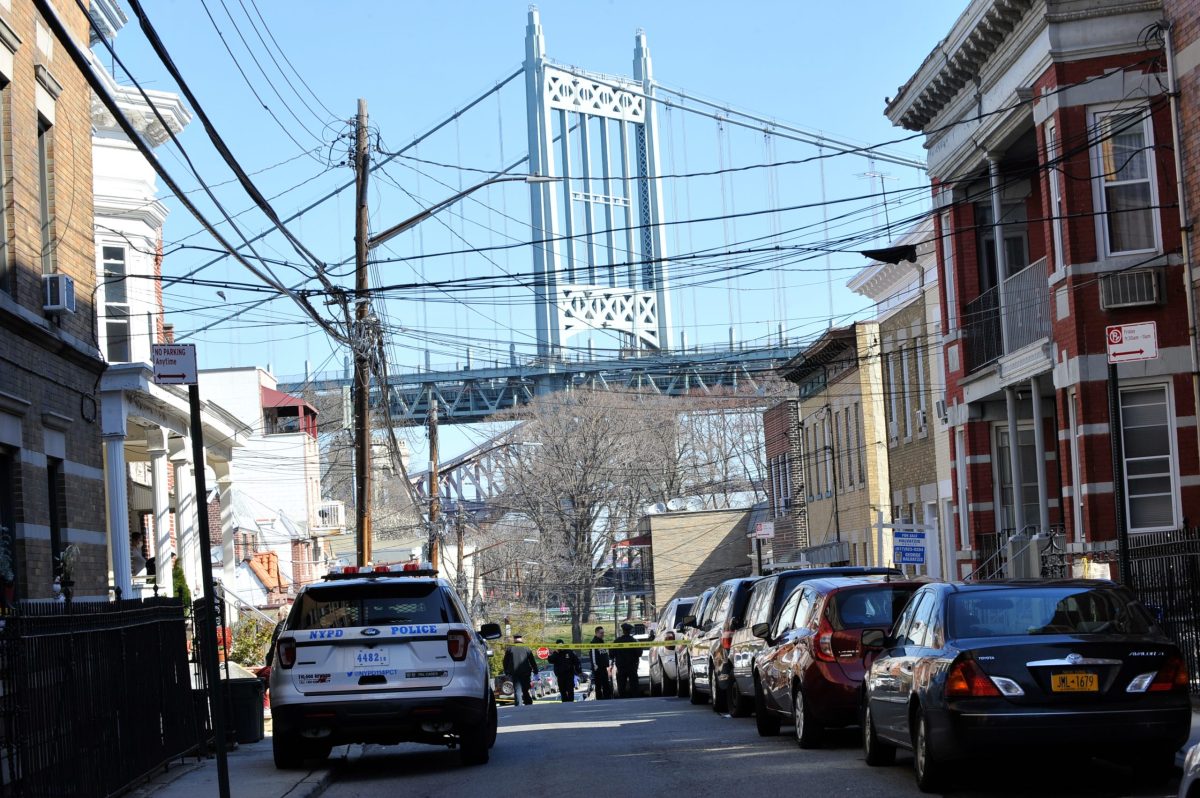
665	746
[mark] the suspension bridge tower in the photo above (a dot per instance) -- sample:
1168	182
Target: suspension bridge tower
601	269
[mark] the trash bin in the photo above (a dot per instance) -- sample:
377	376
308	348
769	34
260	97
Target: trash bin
245	701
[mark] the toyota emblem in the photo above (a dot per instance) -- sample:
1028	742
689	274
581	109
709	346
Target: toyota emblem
1074	659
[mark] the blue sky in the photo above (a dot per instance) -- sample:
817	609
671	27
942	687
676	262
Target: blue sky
812	64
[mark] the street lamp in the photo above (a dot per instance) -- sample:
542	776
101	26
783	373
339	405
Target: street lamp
395	230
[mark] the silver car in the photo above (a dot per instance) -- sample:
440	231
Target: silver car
660	660
384	657
1189	787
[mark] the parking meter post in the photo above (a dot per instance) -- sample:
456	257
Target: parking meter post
208	630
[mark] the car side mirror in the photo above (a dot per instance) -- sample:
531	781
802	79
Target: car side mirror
874	639
490	631
688	620
762	629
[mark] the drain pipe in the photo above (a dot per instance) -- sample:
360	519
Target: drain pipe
1185	223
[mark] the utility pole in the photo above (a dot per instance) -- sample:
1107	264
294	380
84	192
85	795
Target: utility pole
460	523
434	480
362	368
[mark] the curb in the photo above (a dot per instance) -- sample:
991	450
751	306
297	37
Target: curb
316	782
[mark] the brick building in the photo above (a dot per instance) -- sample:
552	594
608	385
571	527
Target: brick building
786	498
905	293
1048	134
51	469
843	434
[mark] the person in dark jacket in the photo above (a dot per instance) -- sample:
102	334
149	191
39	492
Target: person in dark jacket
520	665
627	664
600	663
566	665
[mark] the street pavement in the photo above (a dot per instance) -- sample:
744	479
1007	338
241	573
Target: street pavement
639	746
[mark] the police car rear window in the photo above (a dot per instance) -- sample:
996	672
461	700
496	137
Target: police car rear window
367	605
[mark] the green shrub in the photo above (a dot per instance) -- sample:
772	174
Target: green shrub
251	638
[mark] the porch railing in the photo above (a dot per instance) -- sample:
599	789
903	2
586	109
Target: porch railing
1026	306
981	327
1026	316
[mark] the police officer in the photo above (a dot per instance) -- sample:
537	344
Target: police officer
627	664
566	665
600	663
520	665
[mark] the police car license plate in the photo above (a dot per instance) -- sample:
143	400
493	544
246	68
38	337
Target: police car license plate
371	658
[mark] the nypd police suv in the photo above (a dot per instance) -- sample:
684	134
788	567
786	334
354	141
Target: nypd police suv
380	655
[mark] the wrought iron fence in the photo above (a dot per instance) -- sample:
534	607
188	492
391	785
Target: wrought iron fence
95	696
1165	570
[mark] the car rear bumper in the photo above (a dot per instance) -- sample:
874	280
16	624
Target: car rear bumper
379	720
1100	732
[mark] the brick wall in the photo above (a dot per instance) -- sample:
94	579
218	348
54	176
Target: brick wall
781	434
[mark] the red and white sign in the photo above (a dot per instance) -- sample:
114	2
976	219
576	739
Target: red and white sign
1128	343
764	530
543	653
174	364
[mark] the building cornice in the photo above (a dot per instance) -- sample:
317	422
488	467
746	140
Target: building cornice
8	36
139	112
149	212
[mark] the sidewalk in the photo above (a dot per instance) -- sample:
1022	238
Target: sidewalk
252	773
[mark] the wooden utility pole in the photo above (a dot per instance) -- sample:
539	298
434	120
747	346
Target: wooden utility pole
434	502
362	368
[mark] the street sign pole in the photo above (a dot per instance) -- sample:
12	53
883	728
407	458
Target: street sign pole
1118	464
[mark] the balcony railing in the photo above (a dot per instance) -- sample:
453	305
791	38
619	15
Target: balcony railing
331	518
1026	306
981	327
1026	316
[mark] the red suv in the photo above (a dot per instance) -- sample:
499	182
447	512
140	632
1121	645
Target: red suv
812	668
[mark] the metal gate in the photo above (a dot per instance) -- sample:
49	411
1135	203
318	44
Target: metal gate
1165	570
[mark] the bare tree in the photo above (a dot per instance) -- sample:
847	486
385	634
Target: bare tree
587	465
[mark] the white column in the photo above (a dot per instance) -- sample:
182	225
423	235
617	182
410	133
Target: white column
1014	458
228	564
118	512
186	522
156	447
1039	446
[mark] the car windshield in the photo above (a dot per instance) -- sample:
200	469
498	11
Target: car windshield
364	605
867	607
682	610
1046	611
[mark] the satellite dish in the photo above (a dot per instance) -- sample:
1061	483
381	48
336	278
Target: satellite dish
695	504
676	504
660	508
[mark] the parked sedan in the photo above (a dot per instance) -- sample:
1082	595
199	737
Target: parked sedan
692	629
1073	665
766	600
708	650
812	670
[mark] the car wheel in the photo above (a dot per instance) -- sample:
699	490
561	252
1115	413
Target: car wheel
683	683
766	723
694	695
656	685
739	705
720	696
475	742
808	733
493	722
878	753
929	771
669	686
286	750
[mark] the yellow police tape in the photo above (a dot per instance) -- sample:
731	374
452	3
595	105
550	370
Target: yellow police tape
585	646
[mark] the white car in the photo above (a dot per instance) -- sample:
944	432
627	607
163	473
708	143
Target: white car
1189	786
381	656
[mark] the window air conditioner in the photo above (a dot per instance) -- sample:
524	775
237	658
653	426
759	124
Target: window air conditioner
940	407
893	430
921	417
1129	289
58	294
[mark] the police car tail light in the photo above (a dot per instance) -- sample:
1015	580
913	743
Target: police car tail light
286	649
457	643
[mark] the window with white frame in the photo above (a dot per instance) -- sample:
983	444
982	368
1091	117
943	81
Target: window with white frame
1151	478
116	304
922	406
45	159
838	448
1076	481
1124	172
893	427
849	451
905	393
858	446
960	469
1058	210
